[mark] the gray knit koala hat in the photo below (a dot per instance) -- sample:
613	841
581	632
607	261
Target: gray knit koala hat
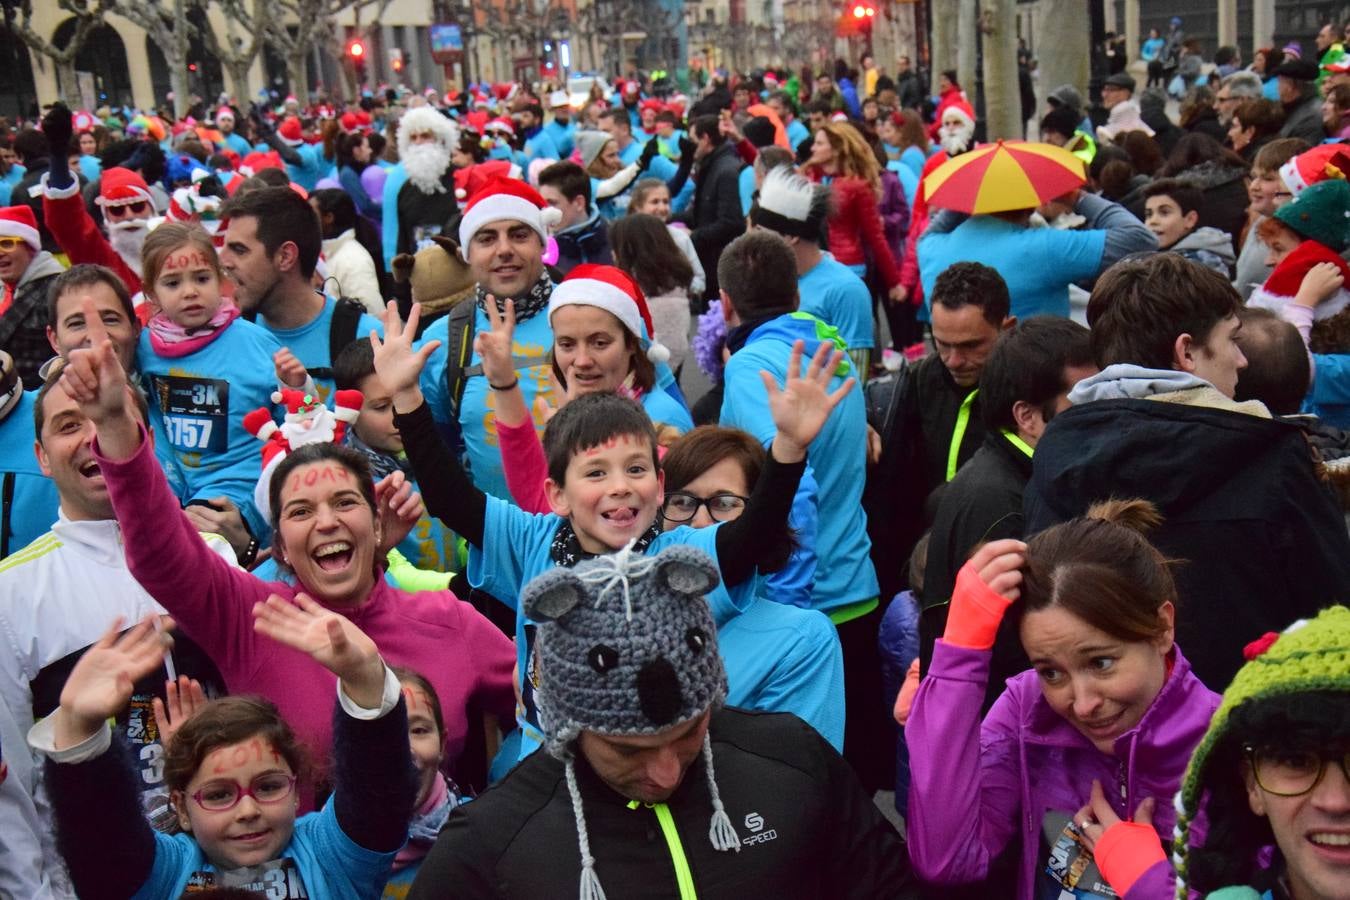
627	646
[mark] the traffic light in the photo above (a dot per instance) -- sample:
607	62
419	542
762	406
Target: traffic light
864	12
396	60
356	52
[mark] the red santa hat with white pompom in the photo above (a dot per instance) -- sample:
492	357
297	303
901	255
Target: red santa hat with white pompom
506	198
613	290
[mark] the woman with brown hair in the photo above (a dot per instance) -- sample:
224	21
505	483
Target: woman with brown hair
1255	124
842	159
644	249
1099	730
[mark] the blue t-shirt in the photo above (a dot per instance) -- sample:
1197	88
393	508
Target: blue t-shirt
477	417
312	166
394	180
914	159
320	863
796	133
663	409
837	457
197	408
831	291
310	342
91	167
541	146
745	186
783	659
238	144
629	155
564	137
1038	264
36	502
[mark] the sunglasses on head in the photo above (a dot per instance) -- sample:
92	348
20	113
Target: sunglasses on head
10	244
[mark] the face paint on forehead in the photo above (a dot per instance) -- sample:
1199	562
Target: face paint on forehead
419	704
225	760
609	444
316	474
190	258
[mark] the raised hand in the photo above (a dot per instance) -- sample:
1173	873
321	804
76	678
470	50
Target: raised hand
185	697
101	684
398	508
494	345
290	371
58	125
999	565
396	362
93	376
330	639
985	587
801	407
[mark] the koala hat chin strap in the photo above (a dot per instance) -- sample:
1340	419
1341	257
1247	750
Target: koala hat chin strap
721	833
613	570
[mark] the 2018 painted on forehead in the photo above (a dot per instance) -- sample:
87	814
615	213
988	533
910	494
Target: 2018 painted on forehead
184	260
242	753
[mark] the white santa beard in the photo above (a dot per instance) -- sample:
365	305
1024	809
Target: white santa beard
319	432
953	140
127	238
425	164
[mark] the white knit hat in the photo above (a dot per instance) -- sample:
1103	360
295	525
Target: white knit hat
613	290
506	198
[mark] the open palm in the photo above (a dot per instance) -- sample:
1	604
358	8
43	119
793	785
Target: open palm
801	407
396	362
327	637
101	684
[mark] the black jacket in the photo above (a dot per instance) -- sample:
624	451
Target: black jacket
421	215
1262	542
714	216
982	503
807	829
585	243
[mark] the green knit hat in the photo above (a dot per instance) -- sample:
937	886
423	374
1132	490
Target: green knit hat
1321	212
1309	656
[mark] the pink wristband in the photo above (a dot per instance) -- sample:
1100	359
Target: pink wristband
975	612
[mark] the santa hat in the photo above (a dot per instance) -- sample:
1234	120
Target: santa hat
502	123
839	116
651	103
961	107
82	122
613	290
1318	164
506	198
224	113
120	186
290	131
348	121
1282	285
276	445
255	162
19	222
469	180
425	118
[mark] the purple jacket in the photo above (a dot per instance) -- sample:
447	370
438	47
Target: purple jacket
968	801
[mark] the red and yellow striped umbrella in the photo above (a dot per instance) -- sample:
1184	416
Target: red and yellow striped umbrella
1004	176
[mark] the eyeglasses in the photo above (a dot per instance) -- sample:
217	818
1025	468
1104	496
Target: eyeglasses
1291	773
681	506
10	244
219	796
123	210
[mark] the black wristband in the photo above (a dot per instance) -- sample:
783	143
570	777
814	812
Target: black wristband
505	387
248	557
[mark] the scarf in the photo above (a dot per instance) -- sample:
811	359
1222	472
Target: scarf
381	463
169	339
427	823
531	303
566	549
736	337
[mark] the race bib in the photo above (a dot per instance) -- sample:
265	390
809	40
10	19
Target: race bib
196	412
1070	872
276	880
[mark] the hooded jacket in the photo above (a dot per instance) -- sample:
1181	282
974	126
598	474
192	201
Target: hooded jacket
1210	247
978	788
1263	542
807	829
585	242
23	327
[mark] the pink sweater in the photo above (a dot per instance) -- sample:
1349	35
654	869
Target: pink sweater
525	466
466	658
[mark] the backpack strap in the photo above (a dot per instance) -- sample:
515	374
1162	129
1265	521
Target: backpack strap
6	513
341	332
461	323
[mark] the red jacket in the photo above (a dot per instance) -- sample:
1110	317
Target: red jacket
856	231
74	229
918	222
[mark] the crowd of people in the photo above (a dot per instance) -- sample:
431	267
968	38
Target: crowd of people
360	539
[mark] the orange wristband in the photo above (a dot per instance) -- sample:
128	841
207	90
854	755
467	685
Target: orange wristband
1125	852
975	612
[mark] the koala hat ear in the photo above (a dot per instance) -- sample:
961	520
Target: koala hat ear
686	571
552	595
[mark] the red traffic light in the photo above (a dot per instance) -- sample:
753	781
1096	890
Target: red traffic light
356	49
864	11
